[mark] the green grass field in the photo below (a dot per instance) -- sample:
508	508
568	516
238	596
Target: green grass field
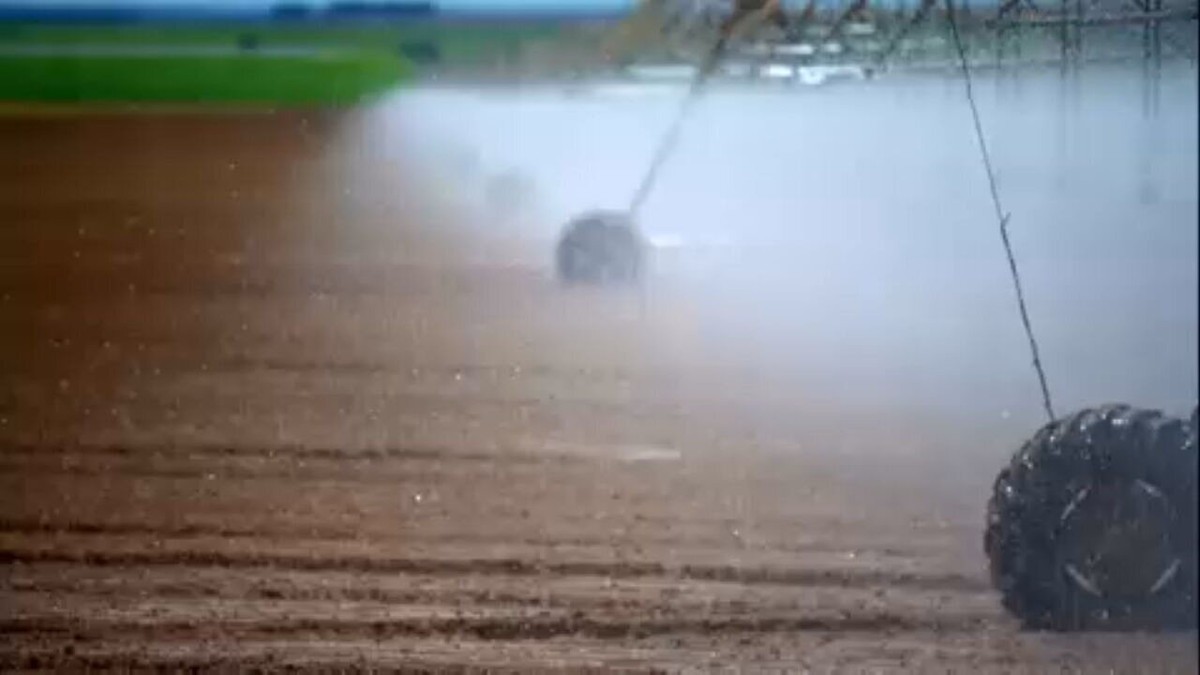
297	79
459	44
288	64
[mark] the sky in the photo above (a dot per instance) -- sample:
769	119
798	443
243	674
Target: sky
450	4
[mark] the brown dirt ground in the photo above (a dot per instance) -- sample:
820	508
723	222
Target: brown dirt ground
266	401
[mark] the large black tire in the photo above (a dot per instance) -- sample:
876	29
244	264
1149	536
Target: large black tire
602	247
1093	524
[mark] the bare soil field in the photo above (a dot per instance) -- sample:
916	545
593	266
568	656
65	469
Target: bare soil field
266	401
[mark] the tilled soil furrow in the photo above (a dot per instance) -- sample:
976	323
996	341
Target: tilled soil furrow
285	531
290	452
81	589
367	472
562	594
281	592
504	566
532	627
41	660
750	653
225	530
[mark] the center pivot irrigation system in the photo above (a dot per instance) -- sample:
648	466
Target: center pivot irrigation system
1092	525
